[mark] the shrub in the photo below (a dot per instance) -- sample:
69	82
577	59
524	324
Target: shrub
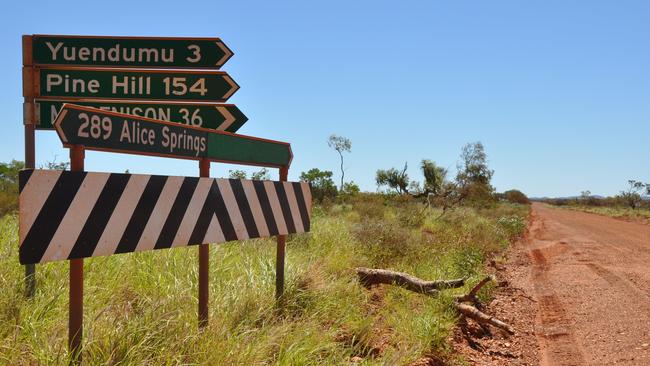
322	185
512	226
516	196
386	241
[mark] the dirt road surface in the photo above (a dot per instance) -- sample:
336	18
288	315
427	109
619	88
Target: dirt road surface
590	276
577	290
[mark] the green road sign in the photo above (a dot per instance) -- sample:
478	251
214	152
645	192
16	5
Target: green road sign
203	53
223	117
127	84
96	129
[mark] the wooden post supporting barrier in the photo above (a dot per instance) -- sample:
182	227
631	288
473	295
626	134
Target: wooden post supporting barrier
30	150
76	305
30	269
279	261
204	262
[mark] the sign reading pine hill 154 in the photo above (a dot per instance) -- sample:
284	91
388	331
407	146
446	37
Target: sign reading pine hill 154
101	130
203	53
106	83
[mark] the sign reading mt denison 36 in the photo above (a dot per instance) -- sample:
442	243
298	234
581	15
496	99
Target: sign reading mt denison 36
203	53
96	129
222	117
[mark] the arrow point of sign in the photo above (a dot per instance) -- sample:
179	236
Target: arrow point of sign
233	86
228	118
57	124
227	54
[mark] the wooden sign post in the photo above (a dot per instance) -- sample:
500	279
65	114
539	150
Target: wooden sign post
204	262
76	304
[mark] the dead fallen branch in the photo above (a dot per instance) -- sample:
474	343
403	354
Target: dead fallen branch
369	277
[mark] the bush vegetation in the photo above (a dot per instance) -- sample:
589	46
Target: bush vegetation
140	308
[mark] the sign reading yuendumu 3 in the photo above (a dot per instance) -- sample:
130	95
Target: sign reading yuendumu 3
204	53
222	117
105	83
96	129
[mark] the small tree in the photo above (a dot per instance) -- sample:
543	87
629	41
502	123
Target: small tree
322	185
632	196
393	178
350	189
434	177
516	196
340	144
237	174
262	174
54	165
473	166
474	176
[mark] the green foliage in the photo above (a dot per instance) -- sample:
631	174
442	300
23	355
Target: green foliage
473	167
322	185
9	186
262	174
632	197
350	189
516	196
512	226
236	174
54	165
394	179
478	195
434	177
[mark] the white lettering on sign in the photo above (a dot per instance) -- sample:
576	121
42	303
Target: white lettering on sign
94	126
195	120
196	53
149	112
140	85
178	86
183	141
71	85
117	53
162	113
132	133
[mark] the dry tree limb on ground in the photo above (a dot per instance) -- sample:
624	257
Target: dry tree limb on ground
369	277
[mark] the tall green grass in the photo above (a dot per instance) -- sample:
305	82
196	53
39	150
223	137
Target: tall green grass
141	308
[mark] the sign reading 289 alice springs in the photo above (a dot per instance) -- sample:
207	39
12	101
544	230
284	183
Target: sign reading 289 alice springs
203	53
96	129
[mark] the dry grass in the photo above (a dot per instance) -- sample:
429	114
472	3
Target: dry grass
140	309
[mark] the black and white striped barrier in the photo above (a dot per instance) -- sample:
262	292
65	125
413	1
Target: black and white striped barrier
68	215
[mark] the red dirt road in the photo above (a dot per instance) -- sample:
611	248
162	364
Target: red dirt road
590	277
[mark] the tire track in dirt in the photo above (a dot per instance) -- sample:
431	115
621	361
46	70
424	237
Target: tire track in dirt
557	341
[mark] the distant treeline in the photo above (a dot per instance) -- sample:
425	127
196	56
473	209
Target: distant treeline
637	195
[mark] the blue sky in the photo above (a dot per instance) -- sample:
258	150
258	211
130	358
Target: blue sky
558	91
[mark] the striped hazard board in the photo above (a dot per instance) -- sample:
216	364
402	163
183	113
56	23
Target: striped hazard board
67	215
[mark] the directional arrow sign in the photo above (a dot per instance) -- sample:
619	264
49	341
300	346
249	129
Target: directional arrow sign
96	129
126	84
223	117
203	53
